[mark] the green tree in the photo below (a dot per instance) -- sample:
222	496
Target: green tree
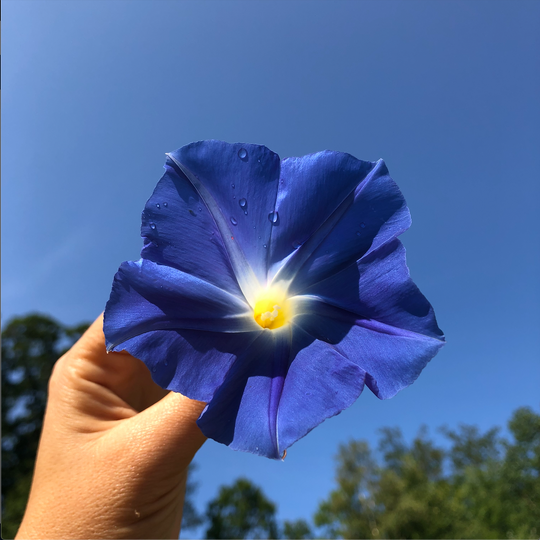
241	511
349	511
297	529
520	476
30	347
482	486
475	464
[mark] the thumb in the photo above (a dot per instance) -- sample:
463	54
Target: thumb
167	432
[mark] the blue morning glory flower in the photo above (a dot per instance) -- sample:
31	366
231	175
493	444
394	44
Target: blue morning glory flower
273	290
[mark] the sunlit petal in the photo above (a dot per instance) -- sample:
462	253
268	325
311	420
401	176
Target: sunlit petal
179	232
238	184
372	214
147	296
314	192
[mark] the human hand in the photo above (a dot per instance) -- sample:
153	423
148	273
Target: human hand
114	450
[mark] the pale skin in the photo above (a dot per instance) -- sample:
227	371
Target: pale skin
114	451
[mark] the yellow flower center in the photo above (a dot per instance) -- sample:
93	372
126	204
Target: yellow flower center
271	309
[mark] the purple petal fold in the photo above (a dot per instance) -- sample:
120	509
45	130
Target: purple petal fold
147	296
243	411
243	180
372	213
321	382
391	357
378	286
280	389
191	362
179	232
312	188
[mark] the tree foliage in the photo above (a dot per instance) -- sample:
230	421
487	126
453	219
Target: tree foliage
30	347
297	529
481	486
241	511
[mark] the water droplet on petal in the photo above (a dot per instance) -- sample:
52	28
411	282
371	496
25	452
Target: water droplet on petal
259	237
245	213
242	153
358	233
232	185
157	205
233	221
153	226
166	363
273	217
165	204
363	225
254	226
264	246
200	208
259	160
242	203
192	212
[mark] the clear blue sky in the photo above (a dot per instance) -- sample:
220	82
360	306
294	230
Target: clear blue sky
447	92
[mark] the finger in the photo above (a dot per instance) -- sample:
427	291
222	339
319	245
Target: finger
120	373
166	426
170	427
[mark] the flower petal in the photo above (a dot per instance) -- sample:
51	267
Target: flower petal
312	188
392	357
243	411
187	361
280	389
320	383
371	213
228	219
239	184
179	232
379	287
147	296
